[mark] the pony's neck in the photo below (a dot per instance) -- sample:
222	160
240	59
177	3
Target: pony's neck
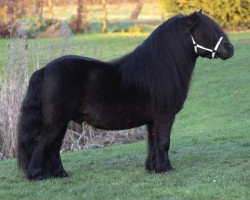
162	65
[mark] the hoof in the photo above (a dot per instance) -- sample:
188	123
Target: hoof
60	174
35	175
149	165
164	169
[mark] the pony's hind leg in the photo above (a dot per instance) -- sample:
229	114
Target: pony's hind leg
36	169
56	167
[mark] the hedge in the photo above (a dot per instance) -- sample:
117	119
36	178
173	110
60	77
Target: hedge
228	13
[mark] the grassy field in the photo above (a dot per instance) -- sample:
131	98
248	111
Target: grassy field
210	147
99	46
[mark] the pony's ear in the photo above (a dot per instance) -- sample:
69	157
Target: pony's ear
191	20
200	11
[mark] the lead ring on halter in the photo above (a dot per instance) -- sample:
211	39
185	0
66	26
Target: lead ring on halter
213	51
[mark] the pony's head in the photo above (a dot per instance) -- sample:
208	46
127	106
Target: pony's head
208	38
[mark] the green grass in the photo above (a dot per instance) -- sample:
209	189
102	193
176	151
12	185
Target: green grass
210	147
101	46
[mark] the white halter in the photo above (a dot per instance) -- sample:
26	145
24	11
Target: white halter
213	51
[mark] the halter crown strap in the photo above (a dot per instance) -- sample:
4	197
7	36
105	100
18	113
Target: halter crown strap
213	51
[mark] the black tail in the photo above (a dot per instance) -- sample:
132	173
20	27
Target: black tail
30	121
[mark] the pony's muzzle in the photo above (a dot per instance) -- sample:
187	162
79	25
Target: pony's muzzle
225	51
230	49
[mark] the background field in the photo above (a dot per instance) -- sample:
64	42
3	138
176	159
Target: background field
150	11
210	146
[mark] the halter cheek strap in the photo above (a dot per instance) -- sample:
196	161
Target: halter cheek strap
213	51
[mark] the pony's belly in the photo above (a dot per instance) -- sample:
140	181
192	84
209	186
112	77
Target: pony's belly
115	119
115	126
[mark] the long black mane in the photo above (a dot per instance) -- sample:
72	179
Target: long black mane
162	65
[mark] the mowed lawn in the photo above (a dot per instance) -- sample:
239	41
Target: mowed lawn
210	146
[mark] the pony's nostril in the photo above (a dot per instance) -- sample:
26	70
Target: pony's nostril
229	47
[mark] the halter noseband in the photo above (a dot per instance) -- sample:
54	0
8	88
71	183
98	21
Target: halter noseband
213	51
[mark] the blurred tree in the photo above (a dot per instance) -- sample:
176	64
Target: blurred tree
10	13
21	8
50	5
4	18
79	22
104	17
228	13
39	11
136	12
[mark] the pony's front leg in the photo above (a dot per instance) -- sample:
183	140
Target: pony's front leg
161	130
150	161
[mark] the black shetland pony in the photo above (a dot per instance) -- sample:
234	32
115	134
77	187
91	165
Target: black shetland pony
147	86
